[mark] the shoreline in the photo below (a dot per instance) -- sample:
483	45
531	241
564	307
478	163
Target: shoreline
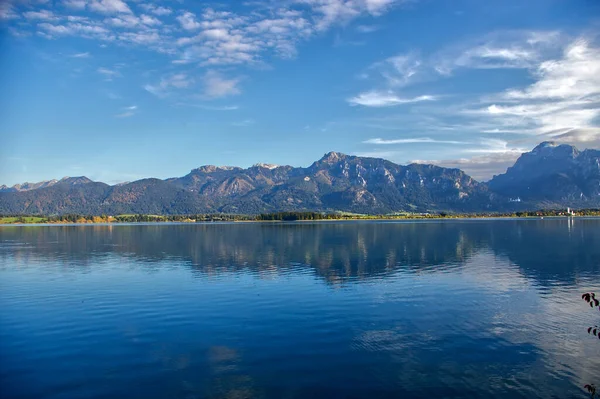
349	219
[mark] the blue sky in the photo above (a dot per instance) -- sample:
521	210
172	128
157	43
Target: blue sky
119	90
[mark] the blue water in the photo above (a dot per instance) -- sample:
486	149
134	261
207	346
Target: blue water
452	309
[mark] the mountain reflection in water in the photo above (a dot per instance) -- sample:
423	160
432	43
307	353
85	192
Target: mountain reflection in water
465	308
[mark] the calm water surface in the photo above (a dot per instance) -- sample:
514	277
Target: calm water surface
456	309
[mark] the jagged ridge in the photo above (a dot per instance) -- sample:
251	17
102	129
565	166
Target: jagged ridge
336	182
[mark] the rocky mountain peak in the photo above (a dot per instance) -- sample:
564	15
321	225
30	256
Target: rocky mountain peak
265	166
333	157
28	186
552	172
213	168
553	149
551	175
74	180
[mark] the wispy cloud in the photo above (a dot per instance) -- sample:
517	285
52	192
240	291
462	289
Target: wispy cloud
43	15
332	12
400	70
127	112
493	156
156	10
480	167
499	50
109	6
209	38
511	49
216	85
75	4
385	99
367	28
244	123
170	83
109	74
210	107
81	55
7	11
188	21
561	103
416	140
564	97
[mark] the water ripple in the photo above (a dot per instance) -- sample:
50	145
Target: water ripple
458	310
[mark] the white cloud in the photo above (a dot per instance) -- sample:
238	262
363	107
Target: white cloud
127	112
494	146
332	12
479	167
109	6
586	137
211	107
483	158
385	99
226	38
109	74
367	28
216	85
399	70
188	21
416	140
208	38
503	49
123	21
170	83
575	76
140	38
81	55
156	10
85	30
564	96
75	4
7	11
43	15
149	20
562	102
55	29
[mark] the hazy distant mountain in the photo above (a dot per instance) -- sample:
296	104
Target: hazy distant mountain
550	175
44	184
553	175
28	186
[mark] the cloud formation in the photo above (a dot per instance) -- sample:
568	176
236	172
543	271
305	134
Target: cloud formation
561	102
385	99
216	85
127	112
564	97
192	39
419	140
209	37
170	83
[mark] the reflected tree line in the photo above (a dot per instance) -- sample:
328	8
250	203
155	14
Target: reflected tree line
543	250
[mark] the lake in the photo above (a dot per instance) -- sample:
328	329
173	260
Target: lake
385	309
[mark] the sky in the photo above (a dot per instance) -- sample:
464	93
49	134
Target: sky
119	90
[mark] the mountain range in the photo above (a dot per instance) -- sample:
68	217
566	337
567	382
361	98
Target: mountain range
550	176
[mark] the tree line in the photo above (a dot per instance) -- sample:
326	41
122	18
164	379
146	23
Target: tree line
276	216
